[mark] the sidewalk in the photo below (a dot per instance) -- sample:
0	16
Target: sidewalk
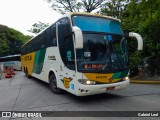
145	80
3	76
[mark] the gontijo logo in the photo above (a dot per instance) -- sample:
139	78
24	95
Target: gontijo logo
66	81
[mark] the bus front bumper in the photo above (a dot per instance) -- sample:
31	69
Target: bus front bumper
85	90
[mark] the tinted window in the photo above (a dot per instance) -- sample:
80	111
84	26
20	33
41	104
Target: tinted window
43	40
97	24
65	41
64	29
52	39
69	53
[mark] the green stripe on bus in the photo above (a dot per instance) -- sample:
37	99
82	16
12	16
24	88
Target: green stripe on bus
39	61
120	75
124	74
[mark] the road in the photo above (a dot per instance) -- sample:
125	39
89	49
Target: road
23	94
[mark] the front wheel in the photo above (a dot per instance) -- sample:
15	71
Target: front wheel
53	85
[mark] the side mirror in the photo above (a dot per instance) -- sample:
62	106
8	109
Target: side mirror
139	39
78	37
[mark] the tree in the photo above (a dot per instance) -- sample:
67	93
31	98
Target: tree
113	8
63	6
144	17
11	40
38	27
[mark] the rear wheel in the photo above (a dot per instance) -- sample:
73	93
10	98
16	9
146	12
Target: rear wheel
26	73
24	70
53	85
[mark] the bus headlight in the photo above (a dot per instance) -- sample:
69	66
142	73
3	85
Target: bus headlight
126	78
86	82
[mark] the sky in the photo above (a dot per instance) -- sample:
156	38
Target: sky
22	14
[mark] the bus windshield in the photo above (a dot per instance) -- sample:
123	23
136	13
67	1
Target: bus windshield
104	47
96	24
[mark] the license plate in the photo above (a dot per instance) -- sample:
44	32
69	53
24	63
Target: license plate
110	88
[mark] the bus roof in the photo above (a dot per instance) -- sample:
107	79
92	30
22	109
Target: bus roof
11	56
75	13
91	14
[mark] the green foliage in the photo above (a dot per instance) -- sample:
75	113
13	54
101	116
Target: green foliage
11	41
63	6
38	27
144	18
113	8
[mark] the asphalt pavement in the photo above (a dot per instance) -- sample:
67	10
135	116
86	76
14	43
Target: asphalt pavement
22	94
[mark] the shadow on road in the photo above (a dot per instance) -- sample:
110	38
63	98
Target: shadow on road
90	98
94	98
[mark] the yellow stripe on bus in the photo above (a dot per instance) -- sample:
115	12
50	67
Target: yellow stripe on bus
103	78
28	61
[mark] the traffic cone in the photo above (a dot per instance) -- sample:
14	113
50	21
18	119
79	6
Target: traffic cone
12	71
8	74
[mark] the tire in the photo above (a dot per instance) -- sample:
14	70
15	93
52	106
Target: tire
26	74
53	85
24	70
0	73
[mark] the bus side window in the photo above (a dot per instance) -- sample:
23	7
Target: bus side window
64	29
69	52
65	40
37	43
53	40
42	40
48	37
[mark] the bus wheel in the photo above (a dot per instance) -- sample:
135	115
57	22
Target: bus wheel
24	70
26	73
53	85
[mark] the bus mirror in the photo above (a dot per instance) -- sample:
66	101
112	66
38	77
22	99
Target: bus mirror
78	37
139	39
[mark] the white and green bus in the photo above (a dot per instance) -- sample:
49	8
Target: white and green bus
81	53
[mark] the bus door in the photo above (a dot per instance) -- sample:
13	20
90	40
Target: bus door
69	61
66	48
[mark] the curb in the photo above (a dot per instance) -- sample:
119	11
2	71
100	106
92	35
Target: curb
144	82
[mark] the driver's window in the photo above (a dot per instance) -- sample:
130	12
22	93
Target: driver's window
69	52
65	41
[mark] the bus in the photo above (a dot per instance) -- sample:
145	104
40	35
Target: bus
11	60
81	53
